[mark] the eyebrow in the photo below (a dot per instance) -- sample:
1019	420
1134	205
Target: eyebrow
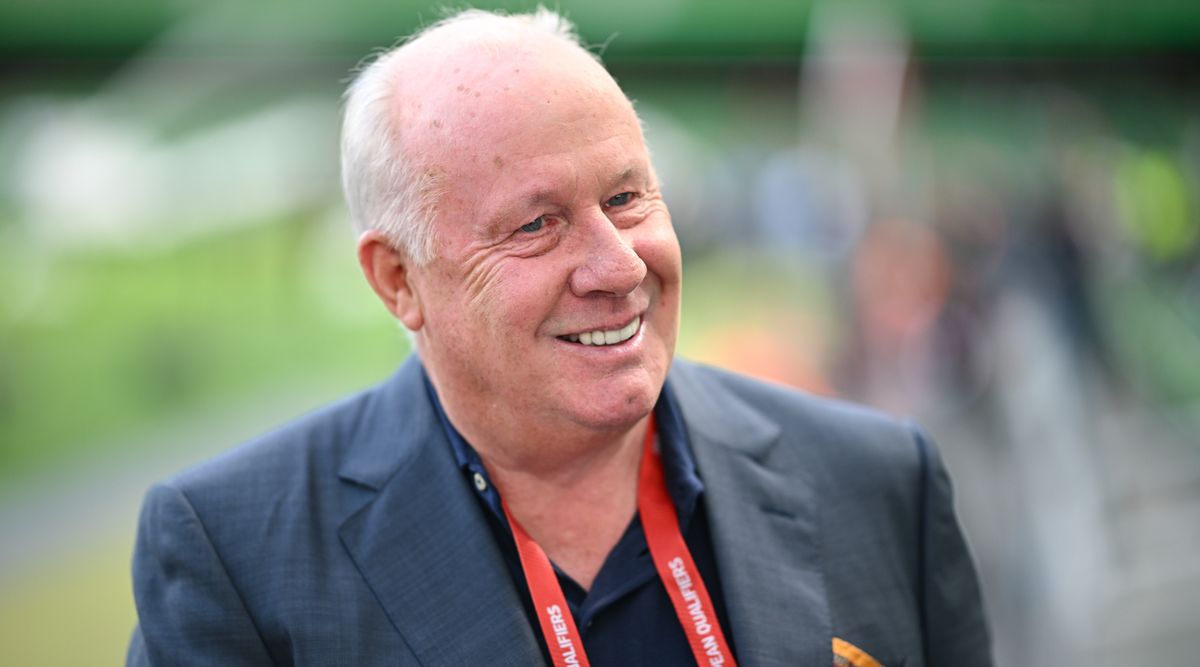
543	196
629	173
498	221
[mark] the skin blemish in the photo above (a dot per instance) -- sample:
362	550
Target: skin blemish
437	123
498	161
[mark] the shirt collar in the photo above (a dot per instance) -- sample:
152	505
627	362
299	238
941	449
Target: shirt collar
679	467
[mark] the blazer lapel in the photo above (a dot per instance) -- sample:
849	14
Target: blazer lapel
762	503
421	542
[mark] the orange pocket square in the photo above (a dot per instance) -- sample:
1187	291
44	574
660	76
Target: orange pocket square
846	654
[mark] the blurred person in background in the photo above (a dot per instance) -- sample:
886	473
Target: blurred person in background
543	481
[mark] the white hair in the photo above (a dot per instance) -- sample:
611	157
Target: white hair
386	189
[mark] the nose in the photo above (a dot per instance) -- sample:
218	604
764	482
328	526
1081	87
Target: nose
610	265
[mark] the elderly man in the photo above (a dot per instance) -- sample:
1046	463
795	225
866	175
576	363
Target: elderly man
541	483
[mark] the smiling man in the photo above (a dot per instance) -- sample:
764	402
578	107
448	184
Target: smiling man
542	482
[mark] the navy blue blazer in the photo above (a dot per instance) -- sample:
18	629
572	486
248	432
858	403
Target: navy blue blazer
349	538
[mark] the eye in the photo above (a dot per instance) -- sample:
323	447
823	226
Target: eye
534	226
619	200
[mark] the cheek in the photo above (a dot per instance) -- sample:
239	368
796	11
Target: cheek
519	296
659	249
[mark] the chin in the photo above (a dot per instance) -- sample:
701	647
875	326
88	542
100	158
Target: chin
619	411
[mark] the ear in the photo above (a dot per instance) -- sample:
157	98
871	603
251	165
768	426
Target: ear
388	270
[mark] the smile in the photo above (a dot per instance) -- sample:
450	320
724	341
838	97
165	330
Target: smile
606	337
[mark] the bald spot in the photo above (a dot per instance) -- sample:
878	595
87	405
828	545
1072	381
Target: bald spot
460	84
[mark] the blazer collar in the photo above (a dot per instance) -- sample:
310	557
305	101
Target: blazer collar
422	543
763	508
420	540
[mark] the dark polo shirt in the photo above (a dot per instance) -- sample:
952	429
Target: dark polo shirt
626	618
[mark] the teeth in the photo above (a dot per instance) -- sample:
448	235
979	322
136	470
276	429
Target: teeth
607	337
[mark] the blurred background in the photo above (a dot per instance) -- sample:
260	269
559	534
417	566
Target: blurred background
984	214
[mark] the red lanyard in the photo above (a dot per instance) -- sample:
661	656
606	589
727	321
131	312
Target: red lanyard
672	559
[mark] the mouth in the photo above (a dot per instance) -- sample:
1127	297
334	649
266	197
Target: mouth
602	337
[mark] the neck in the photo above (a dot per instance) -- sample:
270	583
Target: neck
571	486
575	508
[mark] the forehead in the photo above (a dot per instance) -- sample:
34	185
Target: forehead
478	113
461	68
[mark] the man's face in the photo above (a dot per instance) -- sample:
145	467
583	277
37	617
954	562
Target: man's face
551	228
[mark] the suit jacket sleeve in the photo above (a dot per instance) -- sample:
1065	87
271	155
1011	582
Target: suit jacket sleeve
956	633
190	612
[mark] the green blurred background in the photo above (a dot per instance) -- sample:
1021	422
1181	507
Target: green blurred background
983	214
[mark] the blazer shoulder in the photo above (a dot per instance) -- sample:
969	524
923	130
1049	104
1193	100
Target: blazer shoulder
844	437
